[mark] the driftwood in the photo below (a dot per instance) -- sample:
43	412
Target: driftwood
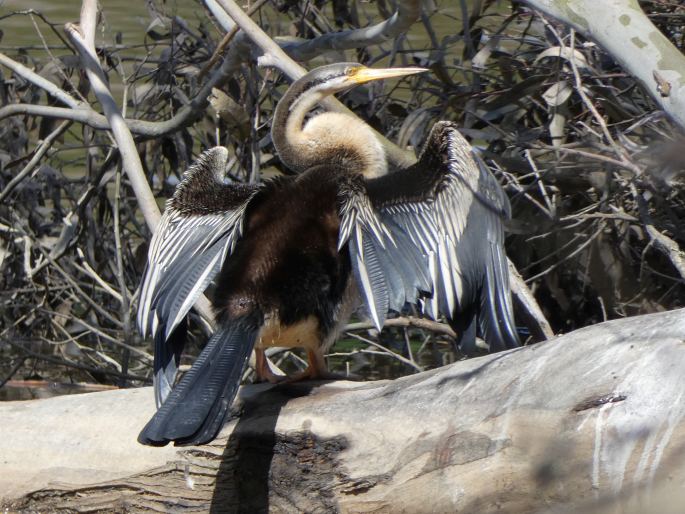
593	415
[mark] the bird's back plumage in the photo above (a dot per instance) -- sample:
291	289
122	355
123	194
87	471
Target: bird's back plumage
282	282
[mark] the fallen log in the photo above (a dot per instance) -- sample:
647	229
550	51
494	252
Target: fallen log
595	415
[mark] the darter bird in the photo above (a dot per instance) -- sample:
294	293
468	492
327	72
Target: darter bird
294	256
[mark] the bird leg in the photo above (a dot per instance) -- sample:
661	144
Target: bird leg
316	369
263	369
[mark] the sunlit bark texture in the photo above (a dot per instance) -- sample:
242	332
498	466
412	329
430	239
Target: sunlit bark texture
588	416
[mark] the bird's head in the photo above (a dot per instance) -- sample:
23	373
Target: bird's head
338	77
302	144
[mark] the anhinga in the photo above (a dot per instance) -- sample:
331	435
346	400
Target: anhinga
295	255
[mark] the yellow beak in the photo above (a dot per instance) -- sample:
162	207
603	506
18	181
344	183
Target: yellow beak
363	74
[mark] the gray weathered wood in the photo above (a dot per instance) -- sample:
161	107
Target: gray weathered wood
589	415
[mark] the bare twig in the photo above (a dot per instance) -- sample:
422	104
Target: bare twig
575	252
407	321
124	299
385	351
41	82
400	22
83	38
228	37
21	345
661	241
40	152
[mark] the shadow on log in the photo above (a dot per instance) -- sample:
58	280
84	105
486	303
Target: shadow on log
593	421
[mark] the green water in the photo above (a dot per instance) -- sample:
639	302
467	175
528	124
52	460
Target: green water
129	18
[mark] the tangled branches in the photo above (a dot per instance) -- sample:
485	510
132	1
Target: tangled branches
593	169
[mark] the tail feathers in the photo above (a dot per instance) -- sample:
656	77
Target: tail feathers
496	317
490	313
196	408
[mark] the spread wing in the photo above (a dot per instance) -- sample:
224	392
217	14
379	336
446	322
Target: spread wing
433	232
199	228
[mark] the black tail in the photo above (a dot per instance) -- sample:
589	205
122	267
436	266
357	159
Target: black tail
195	410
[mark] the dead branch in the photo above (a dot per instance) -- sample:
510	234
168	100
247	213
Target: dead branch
633	40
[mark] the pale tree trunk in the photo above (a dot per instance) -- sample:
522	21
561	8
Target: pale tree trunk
598	414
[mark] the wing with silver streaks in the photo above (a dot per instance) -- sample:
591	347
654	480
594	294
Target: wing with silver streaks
199	228
433	232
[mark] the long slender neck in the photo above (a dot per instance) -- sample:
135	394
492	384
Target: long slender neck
286	128
326	137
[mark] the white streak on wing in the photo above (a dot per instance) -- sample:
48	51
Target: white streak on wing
359	239
502	258
432	269
146	296
410	223
151	275
160	233
358	211
375	230
446	276
444	224
349	220
162	384
192	296
368	291
425	231
175	246
456	217
230	243
155	323
456	274
144	305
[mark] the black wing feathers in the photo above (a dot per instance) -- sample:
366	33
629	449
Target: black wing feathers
433	229
199	228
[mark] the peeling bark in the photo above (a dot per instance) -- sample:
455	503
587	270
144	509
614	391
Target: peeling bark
594	416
